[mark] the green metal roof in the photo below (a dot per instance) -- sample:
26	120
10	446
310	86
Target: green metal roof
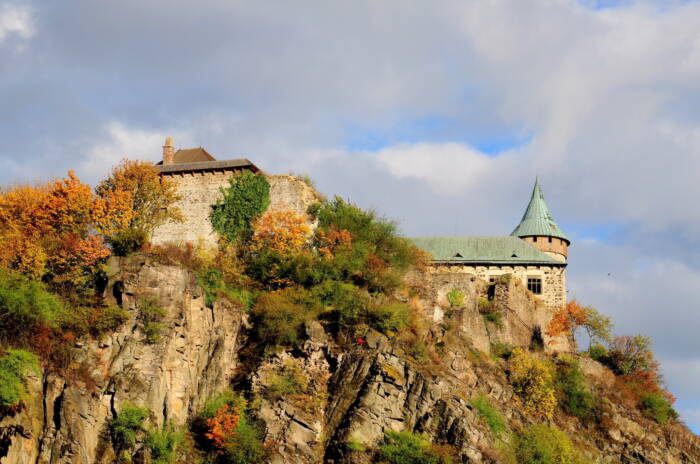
537	220
483	250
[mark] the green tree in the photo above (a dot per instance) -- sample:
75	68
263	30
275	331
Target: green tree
246	198
597	326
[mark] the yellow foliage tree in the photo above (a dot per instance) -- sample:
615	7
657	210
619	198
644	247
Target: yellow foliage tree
532	380
280	231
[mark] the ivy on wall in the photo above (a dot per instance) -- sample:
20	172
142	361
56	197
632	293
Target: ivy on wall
246	198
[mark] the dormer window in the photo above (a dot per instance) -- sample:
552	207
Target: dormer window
457	255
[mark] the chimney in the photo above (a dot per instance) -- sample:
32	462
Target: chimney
168	151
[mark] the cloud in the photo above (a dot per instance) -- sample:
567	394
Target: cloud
118	142
15	20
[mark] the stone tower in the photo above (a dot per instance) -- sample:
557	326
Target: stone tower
537	227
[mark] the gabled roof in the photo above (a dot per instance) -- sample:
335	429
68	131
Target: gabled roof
190	155
483	250
537	220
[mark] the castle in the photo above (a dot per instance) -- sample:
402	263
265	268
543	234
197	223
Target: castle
199	177
535	252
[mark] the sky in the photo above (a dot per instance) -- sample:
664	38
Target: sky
436	114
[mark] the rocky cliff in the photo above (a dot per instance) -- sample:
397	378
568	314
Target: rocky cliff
345	393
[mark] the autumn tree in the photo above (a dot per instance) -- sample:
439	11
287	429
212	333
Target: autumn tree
573	316
143	199
48	233
280	231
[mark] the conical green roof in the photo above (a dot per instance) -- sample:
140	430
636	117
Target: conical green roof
537	220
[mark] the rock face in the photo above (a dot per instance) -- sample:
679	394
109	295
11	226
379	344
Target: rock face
340	394
195	357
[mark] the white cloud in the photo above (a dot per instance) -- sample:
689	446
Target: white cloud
118	142
15	20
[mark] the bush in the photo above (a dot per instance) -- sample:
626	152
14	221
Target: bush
246	198
151	314
279	316
388	317
345	303
125	427
165	445
572	390
127	241
25	305
656	406
409	448
502	350
495	318
532	381
364	248
455	298
214	286
15	365
94	321
545	444
490	415
229	430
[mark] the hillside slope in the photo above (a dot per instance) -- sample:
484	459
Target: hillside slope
327	400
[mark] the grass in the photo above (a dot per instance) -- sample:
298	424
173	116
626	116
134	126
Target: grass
494	420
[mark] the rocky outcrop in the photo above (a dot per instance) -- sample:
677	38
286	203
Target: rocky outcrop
195	357
315	400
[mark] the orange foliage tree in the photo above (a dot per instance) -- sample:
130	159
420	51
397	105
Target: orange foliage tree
48	232
143	199
223	426
573	316
280	231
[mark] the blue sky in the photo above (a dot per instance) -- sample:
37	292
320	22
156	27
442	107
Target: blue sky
439	117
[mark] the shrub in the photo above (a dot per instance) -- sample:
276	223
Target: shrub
532	381
84	320
545	444
345	303
165	445
496	318
490	415
125	427
214	286
127	241
363	247
25	304
572	390
279	316
455	298
657	406
246	198
280	231
151	314
629	354
502	350
388	317
409	448
15	365
229	430
485	305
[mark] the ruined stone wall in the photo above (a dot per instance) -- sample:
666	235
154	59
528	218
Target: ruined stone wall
553	278
200	190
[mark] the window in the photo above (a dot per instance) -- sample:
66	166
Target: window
534	284
493	279
534	239
550	239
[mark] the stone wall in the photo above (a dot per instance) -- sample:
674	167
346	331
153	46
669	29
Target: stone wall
553	278
200	190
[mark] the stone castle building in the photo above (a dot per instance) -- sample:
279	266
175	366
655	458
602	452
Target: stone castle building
199	177
535	252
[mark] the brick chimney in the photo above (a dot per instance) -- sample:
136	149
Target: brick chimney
168	151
